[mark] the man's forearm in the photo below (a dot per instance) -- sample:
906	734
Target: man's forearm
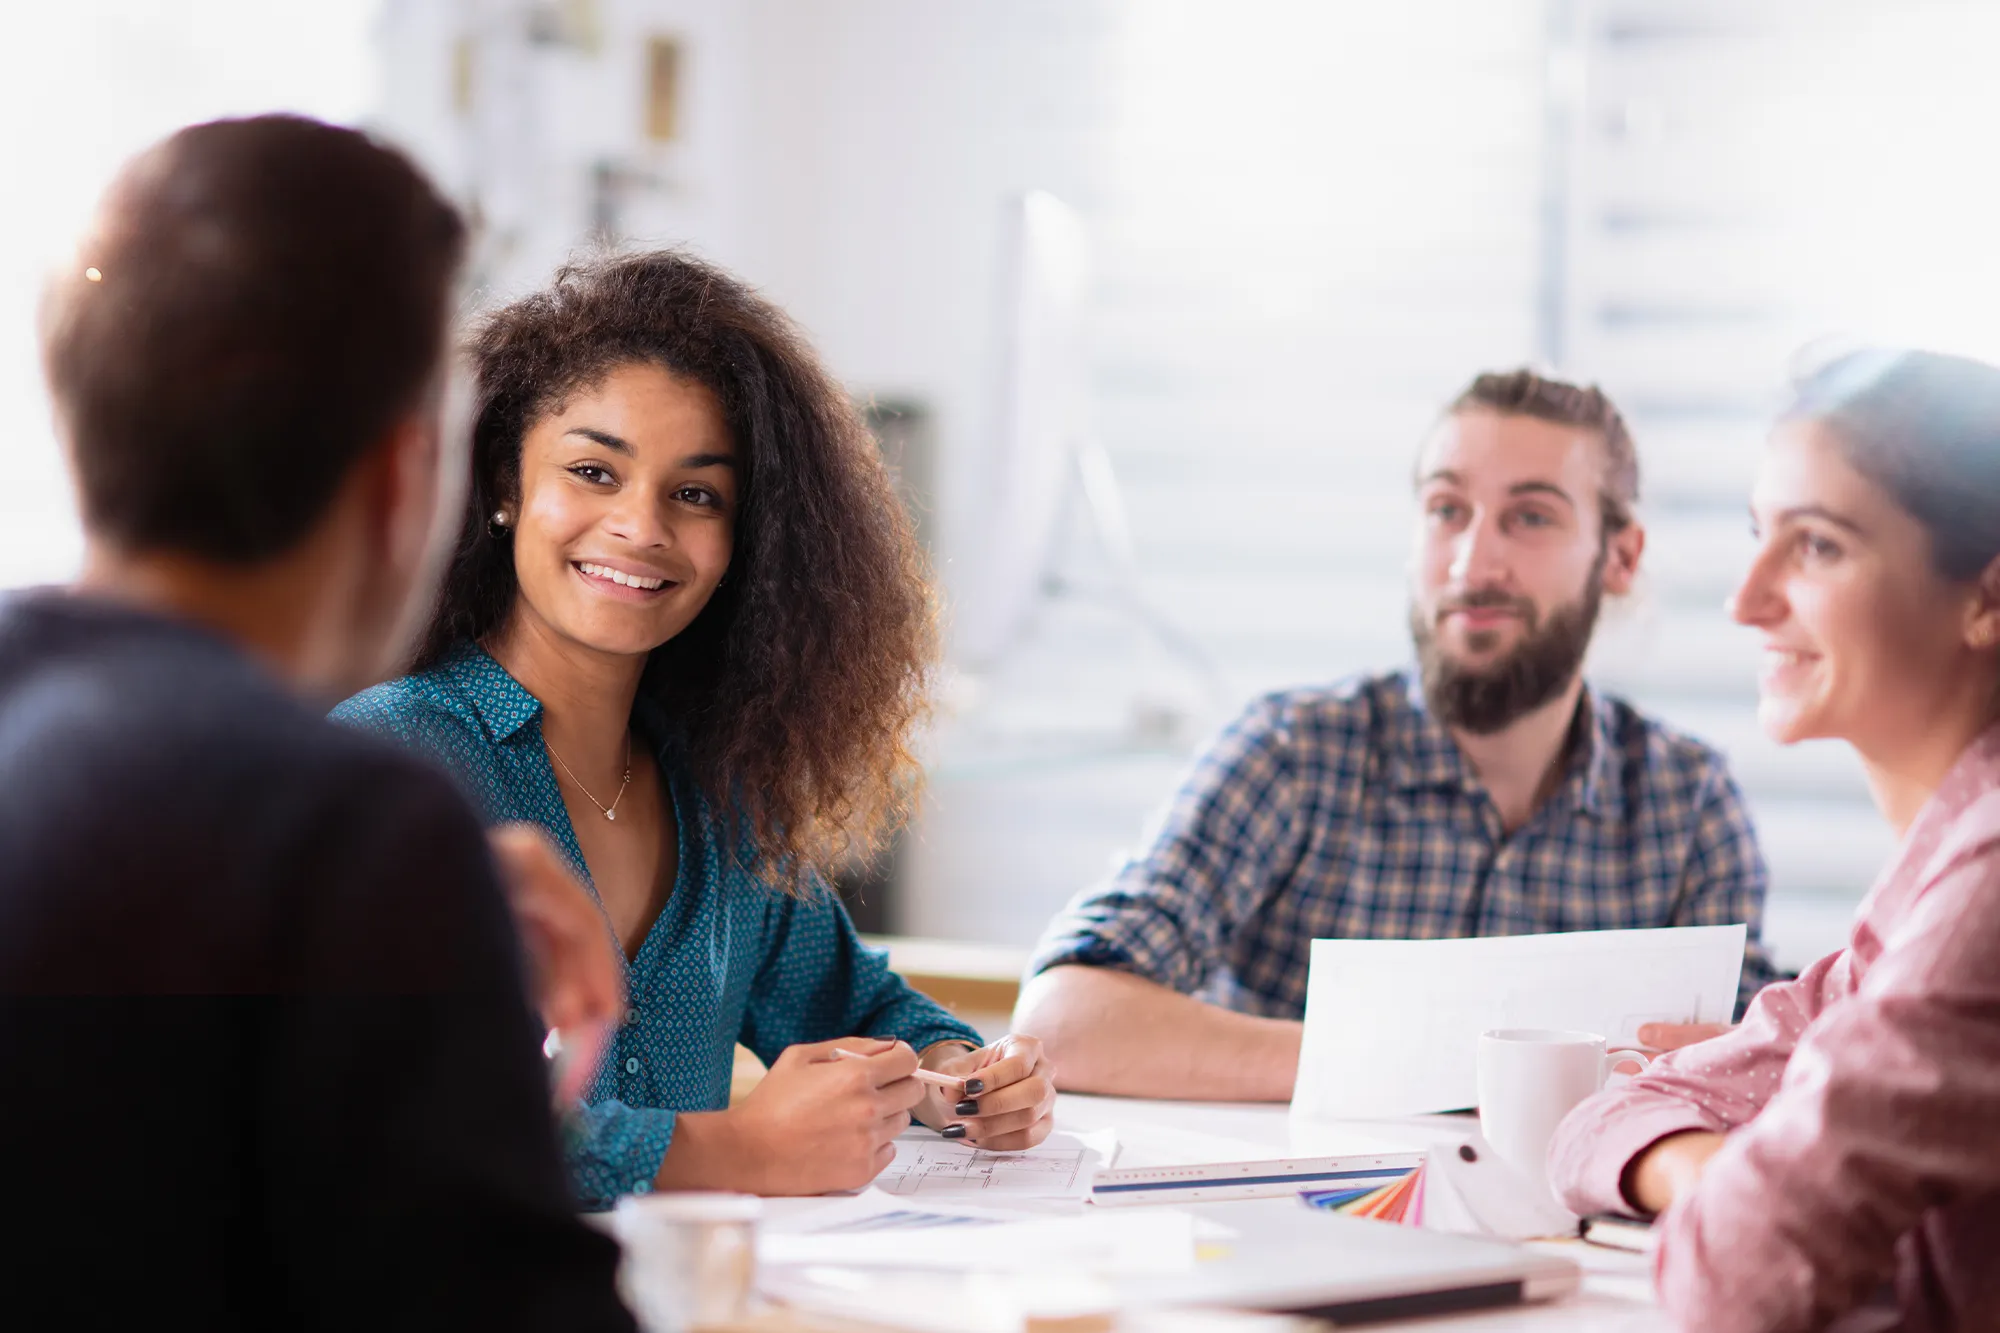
1111	1032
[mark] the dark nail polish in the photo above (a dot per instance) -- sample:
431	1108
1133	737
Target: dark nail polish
974	1086
966	1107
952	1132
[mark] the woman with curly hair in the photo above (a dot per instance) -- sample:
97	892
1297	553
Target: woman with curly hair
686	631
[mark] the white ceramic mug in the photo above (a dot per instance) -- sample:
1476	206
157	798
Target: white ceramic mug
690	1260
1529	1079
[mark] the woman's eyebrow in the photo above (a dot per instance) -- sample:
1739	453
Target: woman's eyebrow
1821	512
694	462
603	437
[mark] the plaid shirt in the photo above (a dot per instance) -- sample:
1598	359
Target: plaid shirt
1349	813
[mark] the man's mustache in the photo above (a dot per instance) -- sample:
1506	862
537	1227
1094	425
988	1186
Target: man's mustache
1487	599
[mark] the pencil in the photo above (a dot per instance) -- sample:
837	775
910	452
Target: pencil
922	1075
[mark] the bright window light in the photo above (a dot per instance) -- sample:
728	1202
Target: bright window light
84	84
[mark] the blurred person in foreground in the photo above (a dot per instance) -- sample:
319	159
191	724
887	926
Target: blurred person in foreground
687	633
1843	1137
269	1049
1490	791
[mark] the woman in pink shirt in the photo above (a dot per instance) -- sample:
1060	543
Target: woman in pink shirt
1837	1155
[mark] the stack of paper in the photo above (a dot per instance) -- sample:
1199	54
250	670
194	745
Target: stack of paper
1392	1026
876	1230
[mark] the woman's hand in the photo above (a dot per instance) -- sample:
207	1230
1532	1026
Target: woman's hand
814	1123
572	961
1669	1169
1014	1107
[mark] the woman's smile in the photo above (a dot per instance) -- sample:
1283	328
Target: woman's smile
1782	668
622	581
626	511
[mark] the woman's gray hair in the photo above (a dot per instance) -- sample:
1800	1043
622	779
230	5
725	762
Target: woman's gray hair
1925	427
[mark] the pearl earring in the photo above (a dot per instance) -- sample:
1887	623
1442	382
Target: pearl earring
498	523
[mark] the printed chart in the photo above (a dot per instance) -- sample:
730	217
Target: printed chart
1063	1167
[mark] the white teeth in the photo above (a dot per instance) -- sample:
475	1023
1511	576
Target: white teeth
620	577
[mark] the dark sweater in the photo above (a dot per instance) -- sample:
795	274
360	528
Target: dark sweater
250	964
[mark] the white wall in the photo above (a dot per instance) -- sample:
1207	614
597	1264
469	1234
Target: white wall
1310	223
1745	179
83	84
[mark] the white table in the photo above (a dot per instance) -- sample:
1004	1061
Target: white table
1616	1296
1617	1291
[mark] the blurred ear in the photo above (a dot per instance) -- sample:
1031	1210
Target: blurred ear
1621	558
1982	613
401	488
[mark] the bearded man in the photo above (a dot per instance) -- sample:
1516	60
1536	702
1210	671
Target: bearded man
1490	791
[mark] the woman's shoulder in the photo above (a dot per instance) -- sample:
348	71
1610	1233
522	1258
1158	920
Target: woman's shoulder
423	709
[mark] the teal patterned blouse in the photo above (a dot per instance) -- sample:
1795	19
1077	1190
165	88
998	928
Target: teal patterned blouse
730	958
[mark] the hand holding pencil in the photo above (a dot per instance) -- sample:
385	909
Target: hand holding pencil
819	1120
961	1085
1000	1097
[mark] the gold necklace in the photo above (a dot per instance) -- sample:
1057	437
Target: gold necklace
609	811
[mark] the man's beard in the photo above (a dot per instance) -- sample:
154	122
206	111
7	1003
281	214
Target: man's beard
1486	699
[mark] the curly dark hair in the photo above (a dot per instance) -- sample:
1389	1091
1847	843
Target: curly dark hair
797	689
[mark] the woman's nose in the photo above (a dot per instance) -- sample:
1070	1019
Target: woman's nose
638	521
1755	600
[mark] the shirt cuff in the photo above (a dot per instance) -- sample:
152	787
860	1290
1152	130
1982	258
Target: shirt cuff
1082	951
1600	1138
943	1028
965	1042
613	1149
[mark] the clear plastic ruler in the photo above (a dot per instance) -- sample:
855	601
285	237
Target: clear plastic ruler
1250	1180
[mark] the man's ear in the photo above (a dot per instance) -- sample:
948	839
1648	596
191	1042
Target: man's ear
401	472
1622	550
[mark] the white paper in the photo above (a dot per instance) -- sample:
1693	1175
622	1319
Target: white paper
1124	1242
874	1211
1063	1166
1392	1026
937	1302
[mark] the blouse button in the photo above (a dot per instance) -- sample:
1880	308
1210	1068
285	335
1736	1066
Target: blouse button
632	1064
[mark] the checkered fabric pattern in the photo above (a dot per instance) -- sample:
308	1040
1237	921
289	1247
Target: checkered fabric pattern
1349	813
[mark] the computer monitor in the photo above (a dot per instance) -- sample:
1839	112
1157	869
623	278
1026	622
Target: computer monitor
1040	423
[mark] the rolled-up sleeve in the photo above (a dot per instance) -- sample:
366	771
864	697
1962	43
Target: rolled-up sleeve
1715	1085
1884	1111
818	981
1232	832
1887	1110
